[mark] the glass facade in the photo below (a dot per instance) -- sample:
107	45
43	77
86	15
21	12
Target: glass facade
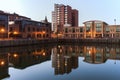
107	29
117	29
88	27
98	27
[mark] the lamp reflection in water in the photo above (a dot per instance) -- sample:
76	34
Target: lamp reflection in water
15	55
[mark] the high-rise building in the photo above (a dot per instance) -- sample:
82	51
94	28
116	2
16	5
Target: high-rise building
63	15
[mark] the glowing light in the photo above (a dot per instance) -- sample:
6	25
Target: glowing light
2	63
15	55
43	32
89	52
44	54
60	50
65	64
15	32
2	30
59	46
89	32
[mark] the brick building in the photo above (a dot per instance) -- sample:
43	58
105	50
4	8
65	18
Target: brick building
63	15
17	26
30	29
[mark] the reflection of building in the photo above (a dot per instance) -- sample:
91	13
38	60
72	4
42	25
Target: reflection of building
63	15
28	58
3	66
94	55
62	61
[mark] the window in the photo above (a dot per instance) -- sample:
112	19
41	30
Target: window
107	29
69	30
77	30
28	29
66	30
117	29
37	29
33	29
88	27
11	29
98	27
81	29
73	30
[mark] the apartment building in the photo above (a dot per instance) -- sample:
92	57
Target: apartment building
63	14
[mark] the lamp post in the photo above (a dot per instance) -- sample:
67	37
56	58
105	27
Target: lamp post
115	27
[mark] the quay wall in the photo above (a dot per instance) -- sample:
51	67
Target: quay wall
21	42
91	41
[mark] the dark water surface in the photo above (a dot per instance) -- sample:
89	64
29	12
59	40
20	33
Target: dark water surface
60	62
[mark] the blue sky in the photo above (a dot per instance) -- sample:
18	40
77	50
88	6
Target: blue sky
105	10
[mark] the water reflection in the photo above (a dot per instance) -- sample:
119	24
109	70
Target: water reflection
22	60
64	58
95	55
22	57
4	66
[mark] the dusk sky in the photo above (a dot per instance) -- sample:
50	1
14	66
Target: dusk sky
105	10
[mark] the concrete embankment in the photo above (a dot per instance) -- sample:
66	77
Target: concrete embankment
21	42
84	41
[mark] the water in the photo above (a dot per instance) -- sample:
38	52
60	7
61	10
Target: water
60	62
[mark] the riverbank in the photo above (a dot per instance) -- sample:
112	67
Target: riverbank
21	42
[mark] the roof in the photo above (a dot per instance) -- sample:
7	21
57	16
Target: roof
95	21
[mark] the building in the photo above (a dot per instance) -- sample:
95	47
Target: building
3	25
112	31
73	32
24	28
17	26
63	15
6	20
14	16
94	29
100	29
